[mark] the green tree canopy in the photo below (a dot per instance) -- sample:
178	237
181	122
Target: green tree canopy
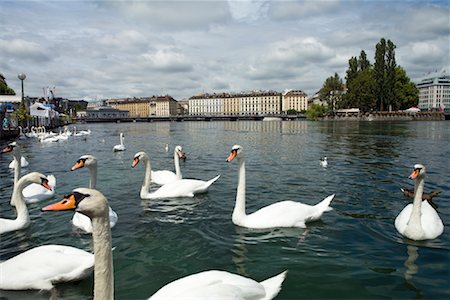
5	89
406	93
331	90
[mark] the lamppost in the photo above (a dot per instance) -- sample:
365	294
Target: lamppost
22	77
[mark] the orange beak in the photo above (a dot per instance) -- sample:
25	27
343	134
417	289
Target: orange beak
232	155
68	203
135	162
44	183
79	164
7	149
414	174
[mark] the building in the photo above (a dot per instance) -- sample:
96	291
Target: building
246	103
294	100
434	92
106	112
161	106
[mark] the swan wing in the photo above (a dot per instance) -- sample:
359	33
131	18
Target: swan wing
162	177
401	221
431	222
84	223
182	188
212	285
41	267
287	214
35	192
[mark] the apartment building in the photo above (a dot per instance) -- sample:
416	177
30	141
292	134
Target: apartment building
294	100
161	106
434	92
248	103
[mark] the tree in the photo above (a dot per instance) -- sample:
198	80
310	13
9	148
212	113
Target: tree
363	62
380	73
390	73
352	70
315	111
406	93
331	90
362	93
5	89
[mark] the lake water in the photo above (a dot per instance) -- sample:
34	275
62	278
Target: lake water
353	252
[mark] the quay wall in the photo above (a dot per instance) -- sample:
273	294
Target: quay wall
387	116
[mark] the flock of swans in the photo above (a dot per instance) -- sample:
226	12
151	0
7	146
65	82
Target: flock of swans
44	266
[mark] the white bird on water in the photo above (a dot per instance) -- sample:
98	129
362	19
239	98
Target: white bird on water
324	162
120	147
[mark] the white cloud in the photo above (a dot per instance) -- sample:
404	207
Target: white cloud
18	49
167	60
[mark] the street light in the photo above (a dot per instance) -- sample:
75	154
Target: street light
22	77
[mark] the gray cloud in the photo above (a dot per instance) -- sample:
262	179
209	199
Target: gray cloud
99	49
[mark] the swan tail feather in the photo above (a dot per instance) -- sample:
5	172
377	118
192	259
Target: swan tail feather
324	205
212	180
272	285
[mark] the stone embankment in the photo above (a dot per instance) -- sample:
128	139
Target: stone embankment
386	116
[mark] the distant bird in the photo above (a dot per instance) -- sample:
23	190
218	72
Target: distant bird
167	148
120	147
324	162
426	196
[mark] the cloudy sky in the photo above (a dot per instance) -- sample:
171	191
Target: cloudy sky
107	49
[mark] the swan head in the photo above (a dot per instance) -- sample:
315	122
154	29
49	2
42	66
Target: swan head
89	202
236	151
418	172
12	147
138	157
87	160
35	177
179	151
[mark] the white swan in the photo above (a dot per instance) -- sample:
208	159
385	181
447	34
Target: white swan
324	162
80	220
121	146
23	219
162	177
178	188
418	220
34	192
211	284
23	163
81	132
279	214
41	267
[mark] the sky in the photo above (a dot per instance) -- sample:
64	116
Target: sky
95	50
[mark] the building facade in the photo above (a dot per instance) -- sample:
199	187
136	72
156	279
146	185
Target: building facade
434	92
161	106
106	113
249	103
294	100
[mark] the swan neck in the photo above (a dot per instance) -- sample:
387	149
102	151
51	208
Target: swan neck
93	177
239	208
147	178
176	161
417	202
18	167
19	202
103	266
